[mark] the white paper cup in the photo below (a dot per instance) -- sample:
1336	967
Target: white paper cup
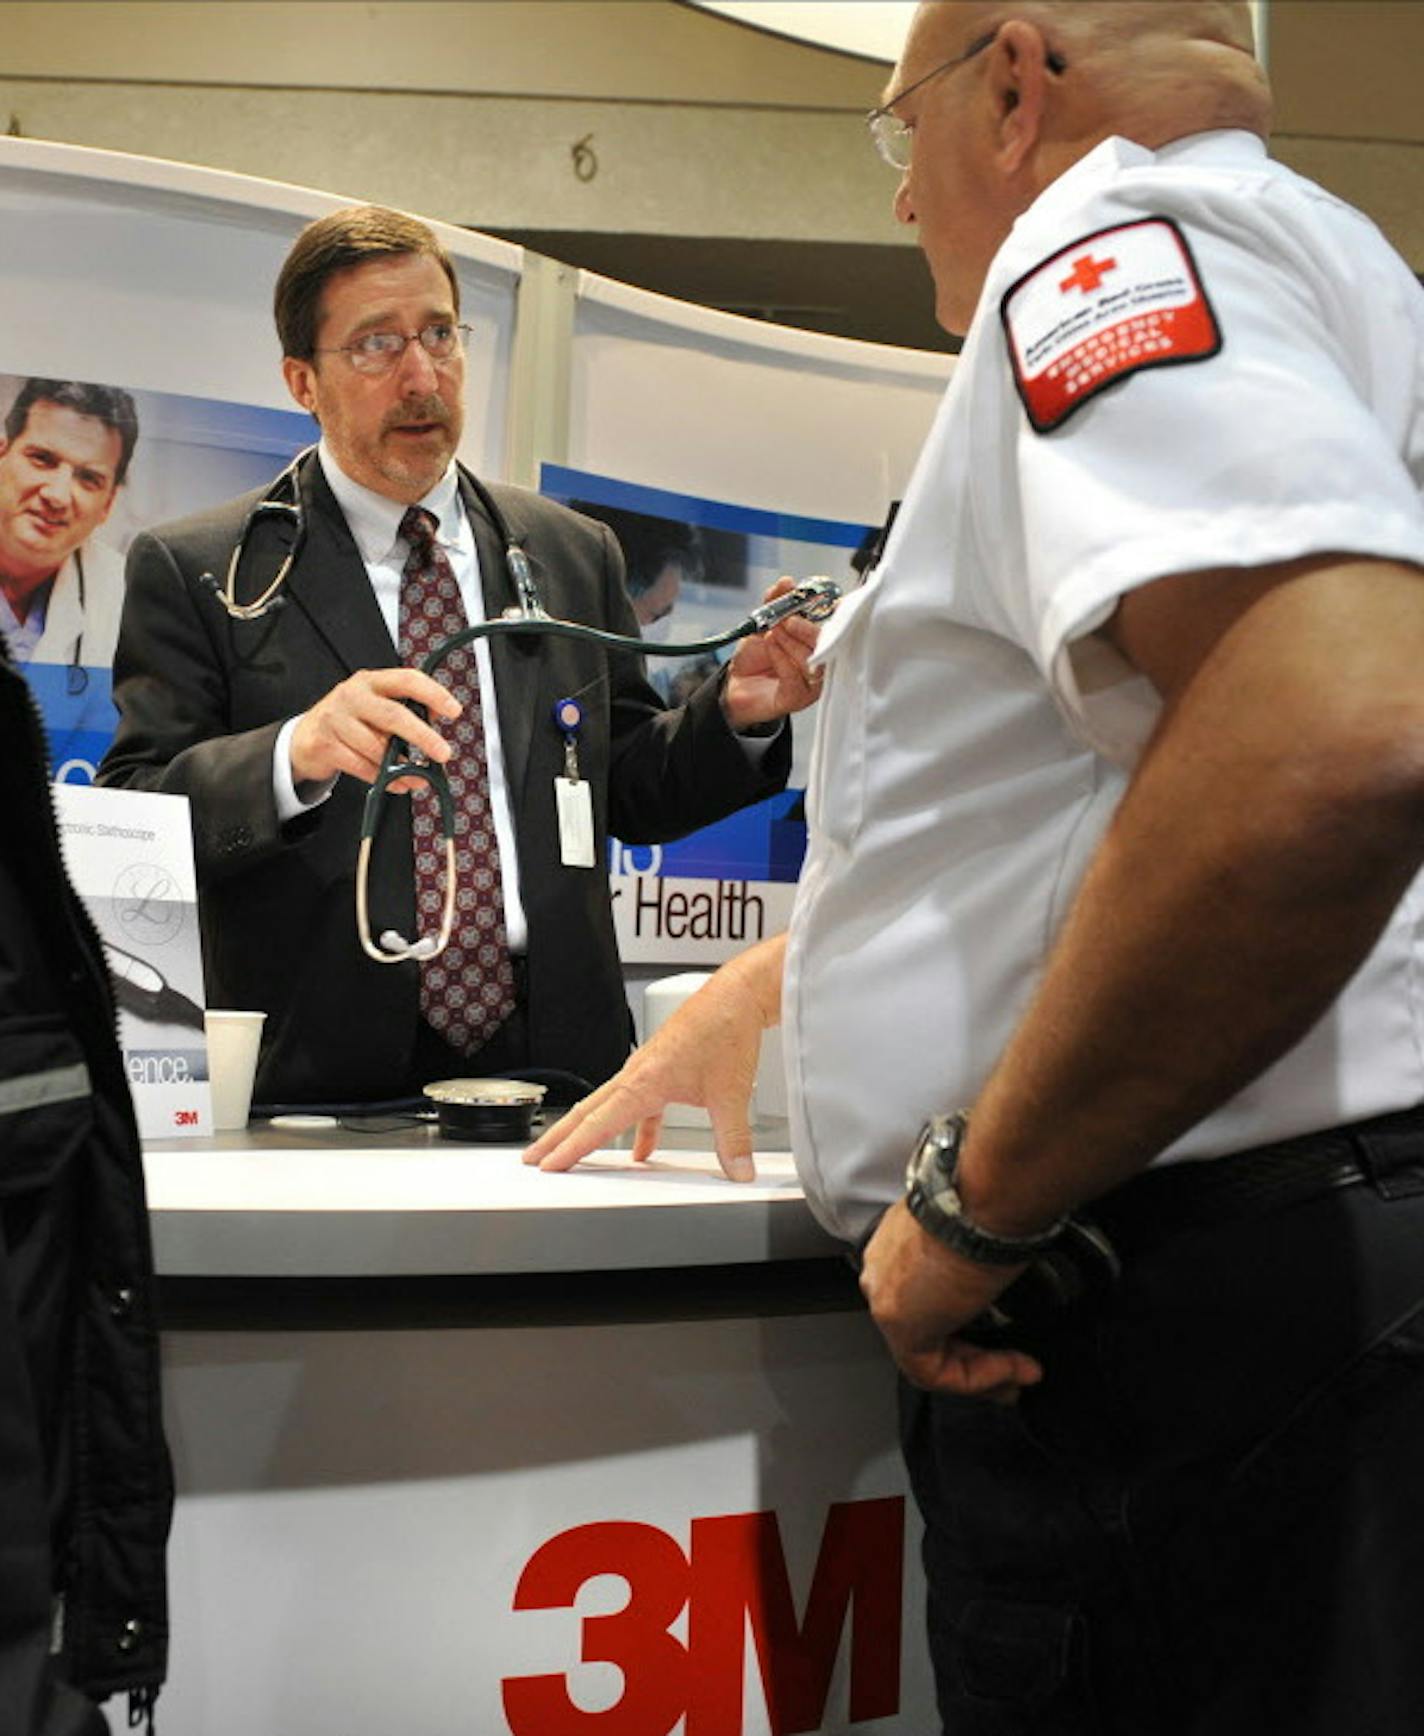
233	1040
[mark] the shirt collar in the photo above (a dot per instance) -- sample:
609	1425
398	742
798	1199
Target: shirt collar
1225	147
375	520
36	615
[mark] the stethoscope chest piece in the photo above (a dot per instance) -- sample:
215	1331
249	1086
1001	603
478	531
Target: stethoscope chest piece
486	1111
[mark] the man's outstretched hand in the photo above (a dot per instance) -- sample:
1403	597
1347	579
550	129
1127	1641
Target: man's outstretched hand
706	1054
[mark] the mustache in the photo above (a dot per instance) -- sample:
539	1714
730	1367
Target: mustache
428	409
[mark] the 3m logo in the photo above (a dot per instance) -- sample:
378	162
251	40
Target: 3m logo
185	1118
734	1575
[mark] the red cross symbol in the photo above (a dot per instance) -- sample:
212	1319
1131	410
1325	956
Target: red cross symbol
1087	273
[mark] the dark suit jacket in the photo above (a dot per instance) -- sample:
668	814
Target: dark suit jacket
202	699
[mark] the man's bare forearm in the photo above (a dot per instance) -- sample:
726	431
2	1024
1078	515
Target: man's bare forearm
1274	825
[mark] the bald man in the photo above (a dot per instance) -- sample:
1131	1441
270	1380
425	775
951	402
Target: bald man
1104	991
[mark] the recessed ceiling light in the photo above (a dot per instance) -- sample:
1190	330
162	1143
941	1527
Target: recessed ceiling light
874	29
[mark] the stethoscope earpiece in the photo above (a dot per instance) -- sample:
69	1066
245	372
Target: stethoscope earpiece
399	947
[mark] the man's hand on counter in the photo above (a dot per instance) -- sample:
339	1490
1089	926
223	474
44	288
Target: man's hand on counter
706	1054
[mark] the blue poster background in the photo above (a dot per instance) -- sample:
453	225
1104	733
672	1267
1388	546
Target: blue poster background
191	453
739	551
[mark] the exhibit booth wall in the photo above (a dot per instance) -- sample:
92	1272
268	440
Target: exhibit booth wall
427	1520
771	448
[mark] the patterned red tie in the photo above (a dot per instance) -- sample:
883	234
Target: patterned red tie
466	993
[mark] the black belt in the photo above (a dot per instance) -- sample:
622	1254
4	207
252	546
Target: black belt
1165	1203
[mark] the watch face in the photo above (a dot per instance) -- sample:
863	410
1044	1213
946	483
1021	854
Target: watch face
937	1152
946	1197
934	1200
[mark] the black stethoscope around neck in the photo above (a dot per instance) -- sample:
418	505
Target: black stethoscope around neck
291	511
813	598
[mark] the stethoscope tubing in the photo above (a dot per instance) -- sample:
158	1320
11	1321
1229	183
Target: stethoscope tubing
393	766
76	678
553	627
814	598
396	765
295	513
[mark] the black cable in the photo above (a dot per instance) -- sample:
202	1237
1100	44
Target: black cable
563	1087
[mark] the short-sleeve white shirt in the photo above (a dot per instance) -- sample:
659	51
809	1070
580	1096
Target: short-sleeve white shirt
976	734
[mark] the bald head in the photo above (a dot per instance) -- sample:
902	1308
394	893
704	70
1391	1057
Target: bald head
1103	22
1047	81
1159	68
1151	70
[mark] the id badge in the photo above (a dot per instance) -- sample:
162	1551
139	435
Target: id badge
575	801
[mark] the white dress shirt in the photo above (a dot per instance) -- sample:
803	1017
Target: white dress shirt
75	616
976	734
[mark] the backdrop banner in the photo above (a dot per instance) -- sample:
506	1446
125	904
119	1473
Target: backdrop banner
188	454
697	566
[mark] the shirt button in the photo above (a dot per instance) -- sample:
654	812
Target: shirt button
131	1637
121	1303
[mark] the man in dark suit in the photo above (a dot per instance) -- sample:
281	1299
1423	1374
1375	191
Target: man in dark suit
274	726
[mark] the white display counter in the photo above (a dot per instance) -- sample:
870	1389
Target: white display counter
333	1204
463	1449
436	1419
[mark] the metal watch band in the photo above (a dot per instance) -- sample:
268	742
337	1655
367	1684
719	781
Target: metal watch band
933	1198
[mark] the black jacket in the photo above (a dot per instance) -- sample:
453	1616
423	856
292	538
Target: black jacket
202	699
85	1484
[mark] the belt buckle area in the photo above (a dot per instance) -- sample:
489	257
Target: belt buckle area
1392	1161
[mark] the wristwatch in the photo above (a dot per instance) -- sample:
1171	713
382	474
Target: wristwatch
933	1199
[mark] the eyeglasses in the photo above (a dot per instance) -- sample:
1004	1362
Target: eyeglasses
889	134
378	352
893	138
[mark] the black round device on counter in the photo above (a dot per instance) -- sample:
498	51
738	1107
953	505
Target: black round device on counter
486	1111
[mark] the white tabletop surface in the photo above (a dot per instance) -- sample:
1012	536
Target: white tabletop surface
330	1203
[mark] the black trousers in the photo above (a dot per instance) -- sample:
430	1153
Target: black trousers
1209	1518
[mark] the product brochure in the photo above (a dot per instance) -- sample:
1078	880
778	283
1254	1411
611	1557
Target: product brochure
130	857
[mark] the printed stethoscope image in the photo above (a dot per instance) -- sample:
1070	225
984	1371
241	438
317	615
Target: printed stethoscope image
814	598
76	678
141	989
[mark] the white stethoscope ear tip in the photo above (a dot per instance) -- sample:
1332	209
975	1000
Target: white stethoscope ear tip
400	947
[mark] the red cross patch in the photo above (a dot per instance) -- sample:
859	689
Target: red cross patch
1112	304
